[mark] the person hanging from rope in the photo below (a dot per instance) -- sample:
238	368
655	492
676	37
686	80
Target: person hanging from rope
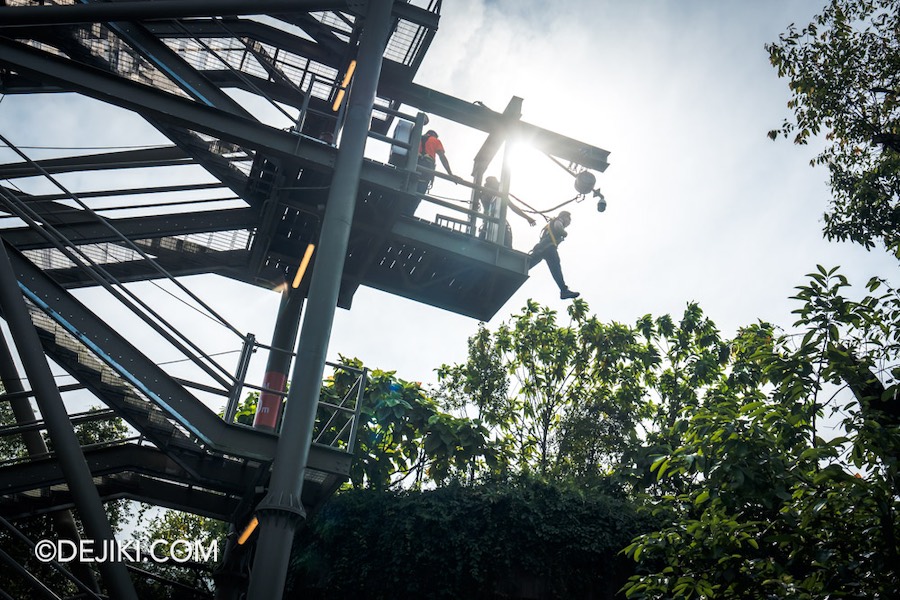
490	204
430	149
552	236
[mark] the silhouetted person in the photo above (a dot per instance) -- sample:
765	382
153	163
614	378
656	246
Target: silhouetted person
490	204
402	134
552	236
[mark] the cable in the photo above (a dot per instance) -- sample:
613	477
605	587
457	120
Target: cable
181	360
561	166
185	302
543	212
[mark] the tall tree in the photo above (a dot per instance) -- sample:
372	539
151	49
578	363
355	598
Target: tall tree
770	504
844	74
581	398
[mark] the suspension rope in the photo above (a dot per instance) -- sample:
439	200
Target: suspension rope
544	212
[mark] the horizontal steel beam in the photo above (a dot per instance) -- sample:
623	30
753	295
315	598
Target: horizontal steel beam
127	486
230	28
121	192
485	119
137	10
160	105
86	230
222	475
227	264
88	417
128	159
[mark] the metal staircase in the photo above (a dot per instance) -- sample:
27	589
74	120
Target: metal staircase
159	407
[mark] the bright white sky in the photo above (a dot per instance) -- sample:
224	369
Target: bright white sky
702	205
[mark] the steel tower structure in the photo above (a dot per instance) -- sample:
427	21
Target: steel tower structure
288	208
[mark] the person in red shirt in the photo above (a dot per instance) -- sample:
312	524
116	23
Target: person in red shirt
431	149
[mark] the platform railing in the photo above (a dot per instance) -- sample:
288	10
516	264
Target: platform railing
340	402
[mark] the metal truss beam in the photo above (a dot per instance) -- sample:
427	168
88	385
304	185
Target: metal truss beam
156	52
167	108
17	16
166	156
145	375
161	106
143	473
161	189
216	473
228	264
229	28
480	117
155	9
84	228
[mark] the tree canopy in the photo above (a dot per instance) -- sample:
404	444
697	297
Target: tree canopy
843	73
765	501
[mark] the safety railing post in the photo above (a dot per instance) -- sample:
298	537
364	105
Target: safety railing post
360	394
239	377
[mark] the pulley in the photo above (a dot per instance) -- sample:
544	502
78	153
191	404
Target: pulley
584	182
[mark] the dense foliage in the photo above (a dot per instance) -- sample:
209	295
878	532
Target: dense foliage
768	502
517	539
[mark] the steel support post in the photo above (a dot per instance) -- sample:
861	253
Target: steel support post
284	336
66	447
63	522
240	376
281	510
505	175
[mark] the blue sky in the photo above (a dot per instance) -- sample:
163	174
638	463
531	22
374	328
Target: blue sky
702	206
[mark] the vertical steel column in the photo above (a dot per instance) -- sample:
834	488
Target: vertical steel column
63	522
284	336
281	510
505	175
474	202
65	444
